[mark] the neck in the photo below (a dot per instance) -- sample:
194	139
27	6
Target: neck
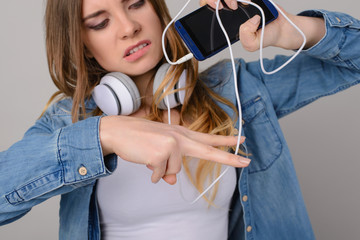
145	89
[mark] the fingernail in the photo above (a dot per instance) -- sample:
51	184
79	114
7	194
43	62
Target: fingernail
244	160
255	20
154	181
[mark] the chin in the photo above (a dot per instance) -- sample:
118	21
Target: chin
142	69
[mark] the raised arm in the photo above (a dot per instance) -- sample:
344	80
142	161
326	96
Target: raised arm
56	156
161	146
329	63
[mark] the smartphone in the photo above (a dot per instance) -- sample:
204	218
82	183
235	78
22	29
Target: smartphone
201	31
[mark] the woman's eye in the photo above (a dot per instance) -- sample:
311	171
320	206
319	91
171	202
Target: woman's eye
138	4
101	25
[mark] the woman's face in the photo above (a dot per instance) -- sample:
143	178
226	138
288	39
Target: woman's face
122	35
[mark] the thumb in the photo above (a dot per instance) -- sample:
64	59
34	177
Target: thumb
170	179
248	34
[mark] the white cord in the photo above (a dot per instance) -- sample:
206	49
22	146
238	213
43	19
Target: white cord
168	107
237	100
181	60
262	68
189	56
262	37
186	57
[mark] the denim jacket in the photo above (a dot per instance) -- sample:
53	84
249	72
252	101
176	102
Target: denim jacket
57	157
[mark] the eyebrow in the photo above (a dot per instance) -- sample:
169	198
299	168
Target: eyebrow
95	14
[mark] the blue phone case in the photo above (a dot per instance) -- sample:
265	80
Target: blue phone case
191	44
188	41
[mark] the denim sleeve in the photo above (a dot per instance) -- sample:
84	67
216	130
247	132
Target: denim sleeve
332	65
49	162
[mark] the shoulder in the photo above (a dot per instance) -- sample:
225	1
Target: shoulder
64	106
214	72
222	71
60	107
57	115
220	77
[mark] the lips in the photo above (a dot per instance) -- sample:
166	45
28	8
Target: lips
136	48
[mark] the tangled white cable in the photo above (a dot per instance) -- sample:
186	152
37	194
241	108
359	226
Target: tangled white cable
190	55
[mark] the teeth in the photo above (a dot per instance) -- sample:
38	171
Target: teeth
132	51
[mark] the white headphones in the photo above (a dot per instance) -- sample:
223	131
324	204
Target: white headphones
117	94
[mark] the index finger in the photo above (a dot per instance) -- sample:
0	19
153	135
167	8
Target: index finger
245	3
232	4
202	151
211	3
211	139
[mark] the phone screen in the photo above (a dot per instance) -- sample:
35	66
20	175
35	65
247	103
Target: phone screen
204	30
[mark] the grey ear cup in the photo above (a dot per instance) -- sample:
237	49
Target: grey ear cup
175	99
131	87
117	94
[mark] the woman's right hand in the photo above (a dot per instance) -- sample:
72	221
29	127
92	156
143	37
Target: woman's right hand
161	146
279	33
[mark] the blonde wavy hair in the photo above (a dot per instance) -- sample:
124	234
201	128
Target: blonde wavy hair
76	75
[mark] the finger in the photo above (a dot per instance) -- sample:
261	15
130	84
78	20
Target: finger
245	2
202	3
202	151
170	179
218	140
213	140
173	167
232	4
249	35
211	3
158	172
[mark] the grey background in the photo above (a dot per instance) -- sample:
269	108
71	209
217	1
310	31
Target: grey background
323	137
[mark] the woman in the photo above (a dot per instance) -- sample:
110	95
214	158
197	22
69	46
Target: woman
70	155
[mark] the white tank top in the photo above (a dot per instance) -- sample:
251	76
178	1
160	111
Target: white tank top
133	208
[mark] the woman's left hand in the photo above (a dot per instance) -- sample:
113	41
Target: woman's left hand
279	33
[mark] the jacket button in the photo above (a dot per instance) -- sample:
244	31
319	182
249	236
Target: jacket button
245	198
82	171
248	229
236	131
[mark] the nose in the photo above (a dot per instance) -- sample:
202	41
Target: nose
128	27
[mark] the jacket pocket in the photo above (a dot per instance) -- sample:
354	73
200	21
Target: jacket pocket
341	20
262	140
